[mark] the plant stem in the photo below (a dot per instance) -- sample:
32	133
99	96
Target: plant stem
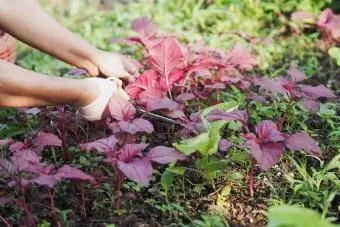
83	201
251	178
28	212
118	183
284	116
4	221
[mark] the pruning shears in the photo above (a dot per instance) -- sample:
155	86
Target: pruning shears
154	116
140	109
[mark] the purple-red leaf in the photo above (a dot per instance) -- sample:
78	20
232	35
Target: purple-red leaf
136	125
47	180
164	103
310	105
130	151
68	172
270	155
165	56
296	74
121	109
316	92
267	131
165	155
266	154
215	86
139	170
241	58
224	145
102	146
144	26
46	139
185	97
302	141
236	115
271	85
16	146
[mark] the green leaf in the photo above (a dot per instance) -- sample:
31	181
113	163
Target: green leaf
205	143
176	169
291	216
167	180
217	125
335	53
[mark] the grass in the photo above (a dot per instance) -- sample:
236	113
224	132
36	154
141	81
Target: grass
192	200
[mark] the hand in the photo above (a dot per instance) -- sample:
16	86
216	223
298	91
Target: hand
114	65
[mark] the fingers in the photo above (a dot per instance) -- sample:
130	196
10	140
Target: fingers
129	65
127	77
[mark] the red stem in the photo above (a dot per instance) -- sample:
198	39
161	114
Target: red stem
54	213
28	212
4	221
251	178
83	201
284	116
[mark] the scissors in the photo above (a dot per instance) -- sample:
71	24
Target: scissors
140	109
154	116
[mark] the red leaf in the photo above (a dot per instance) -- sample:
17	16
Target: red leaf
25	158
151	95
296	74
102	146
137	125
241	58
139	170
316	92
302	141
45	139
174	77
267	154
149	79
164	103
215	86
224	145
165	155
121	109
175	114
16	146
47	180
68	172
267	132
185	97
272	85
144	26
236	115
310	105
165	56
270	155
130	151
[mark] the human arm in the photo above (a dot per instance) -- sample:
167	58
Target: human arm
25	20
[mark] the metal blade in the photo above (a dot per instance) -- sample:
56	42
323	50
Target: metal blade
155	116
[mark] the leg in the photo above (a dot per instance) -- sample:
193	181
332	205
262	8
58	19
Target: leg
23	88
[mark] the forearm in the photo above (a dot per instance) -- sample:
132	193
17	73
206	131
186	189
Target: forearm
25	20
24	85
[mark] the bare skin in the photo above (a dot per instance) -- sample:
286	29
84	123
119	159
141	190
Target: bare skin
25	20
